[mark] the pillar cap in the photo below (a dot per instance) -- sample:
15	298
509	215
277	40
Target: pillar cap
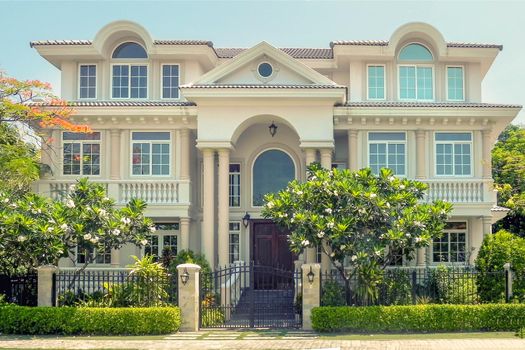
49	267
188	266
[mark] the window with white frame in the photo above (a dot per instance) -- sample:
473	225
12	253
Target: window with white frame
387	150
451	247
170	81
455	83
163	241
376	82
87	82
85	254
234	242
453	153
81	153
129	80
235	185
416	73
150	153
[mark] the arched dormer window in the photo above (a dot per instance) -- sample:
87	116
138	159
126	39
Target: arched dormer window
129	72
416	73
129	50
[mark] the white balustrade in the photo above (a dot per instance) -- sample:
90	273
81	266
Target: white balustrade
458	190
152	192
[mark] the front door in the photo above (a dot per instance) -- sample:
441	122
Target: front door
270	249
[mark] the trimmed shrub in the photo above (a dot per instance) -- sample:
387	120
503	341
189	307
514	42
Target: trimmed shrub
89	321
333	294
420	318
496	250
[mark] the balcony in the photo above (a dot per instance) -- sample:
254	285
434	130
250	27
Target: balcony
153	192
460	190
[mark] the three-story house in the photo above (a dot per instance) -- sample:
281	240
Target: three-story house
201	133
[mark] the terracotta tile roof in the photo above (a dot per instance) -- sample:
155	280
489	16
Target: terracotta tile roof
385	43
119	104
295	52
498	208
359	42
59	42
261	86
183	42
402	104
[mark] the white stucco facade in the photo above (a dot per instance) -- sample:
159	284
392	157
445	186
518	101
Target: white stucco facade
349	105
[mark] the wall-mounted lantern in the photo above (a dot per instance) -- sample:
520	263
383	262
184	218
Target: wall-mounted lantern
273	129
185	276
246	219
310	276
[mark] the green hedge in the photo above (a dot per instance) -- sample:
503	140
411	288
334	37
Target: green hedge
85	320
420	318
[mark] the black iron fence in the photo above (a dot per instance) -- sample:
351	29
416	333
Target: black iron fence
405	286
114	288
20	289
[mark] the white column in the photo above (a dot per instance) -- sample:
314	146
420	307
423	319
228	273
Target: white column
223	211
208	223
46	155
487	225
310	154
420	154
185	154
352	150
486	154
115	257
184	233
326	158
421	255
114	173
326	162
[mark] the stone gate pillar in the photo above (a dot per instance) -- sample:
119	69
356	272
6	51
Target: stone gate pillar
311	292
46	293
189	288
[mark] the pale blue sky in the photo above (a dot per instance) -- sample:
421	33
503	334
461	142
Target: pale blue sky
297	23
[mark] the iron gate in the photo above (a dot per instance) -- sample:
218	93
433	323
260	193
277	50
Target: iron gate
250	296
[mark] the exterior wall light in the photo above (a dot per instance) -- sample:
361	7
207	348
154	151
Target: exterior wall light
273	129
185	276
310	276
246	219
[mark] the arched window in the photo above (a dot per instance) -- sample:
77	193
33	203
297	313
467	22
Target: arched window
129	80
415	52
129	50
416	73
272	171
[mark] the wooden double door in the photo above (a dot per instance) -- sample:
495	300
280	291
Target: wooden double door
270	245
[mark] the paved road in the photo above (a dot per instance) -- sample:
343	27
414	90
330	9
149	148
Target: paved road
257	344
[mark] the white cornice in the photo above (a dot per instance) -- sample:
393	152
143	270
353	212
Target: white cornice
338	95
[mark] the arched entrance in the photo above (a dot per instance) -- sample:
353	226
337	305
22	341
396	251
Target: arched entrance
272	170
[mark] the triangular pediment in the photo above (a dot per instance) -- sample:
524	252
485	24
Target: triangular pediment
245	69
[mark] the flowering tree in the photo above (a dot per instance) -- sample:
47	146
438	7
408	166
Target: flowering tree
360	216
17	105
35	230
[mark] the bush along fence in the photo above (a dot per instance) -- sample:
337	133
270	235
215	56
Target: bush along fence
115	288
426	285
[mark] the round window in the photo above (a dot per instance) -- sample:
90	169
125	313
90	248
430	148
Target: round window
265	69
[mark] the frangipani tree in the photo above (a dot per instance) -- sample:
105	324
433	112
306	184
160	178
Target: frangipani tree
35	230
359	216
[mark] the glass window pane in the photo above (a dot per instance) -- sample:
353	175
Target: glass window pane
130	50
272	171
415	52
453	136
151	136
387	136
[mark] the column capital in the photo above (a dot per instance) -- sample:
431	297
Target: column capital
486	132
115	132
185	220
223	152
420	133
208	151
184	131
352	132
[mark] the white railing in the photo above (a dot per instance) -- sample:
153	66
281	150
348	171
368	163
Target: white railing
153	192
459	190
